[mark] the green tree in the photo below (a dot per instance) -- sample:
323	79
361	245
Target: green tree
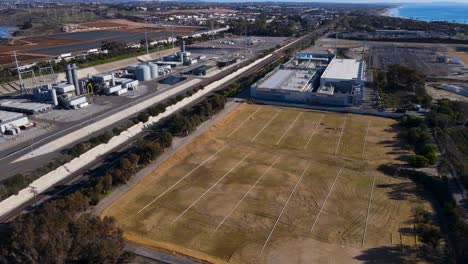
429	234
418	161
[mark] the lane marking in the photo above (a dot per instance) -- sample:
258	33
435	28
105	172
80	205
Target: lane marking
209	189
315	130
290	126
245	121
243	197
326	198
365	140
284	208
181	179
341	135
368	210
277	113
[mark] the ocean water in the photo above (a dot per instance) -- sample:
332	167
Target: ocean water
433	12
4	31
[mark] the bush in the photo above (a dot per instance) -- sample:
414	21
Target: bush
418	161
431	157
429	234
143	117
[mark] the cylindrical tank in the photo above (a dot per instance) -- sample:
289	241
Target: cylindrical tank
181	57
154	70
68	74
143	72
54	97
74	74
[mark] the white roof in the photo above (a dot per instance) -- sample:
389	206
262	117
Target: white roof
343	69
8	116
295	80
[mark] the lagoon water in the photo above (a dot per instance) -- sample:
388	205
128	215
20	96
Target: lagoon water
4	31
433	12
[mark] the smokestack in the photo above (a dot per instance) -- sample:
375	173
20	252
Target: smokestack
75	79
182	45
113	80
68	74
54	97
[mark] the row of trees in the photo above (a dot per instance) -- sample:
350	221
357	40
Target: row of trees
280	26
415	132
449	122
61	231
401	87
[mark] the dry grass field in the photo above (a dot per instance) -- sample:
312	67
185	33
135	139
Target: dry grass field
277	185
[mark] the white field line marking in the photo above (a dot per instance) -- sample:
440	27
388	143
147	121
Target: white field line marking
277	113
209	189
315	130
245	121
181	179
290	126
284	208
243	197
368	210
365	140
326	198
341	135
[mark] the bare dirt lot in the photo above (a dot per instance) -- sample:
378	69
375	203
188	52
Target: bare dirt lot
278	185
463	55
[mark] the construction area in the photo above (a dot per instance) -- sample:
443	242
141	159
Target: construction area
277	185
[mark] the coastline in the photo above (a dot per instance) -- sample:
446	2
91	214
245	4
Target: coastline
390	11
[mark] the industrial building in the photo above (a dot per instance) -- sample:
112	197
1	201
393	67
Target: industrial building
312	78
25	107
343	73
286	85
12	121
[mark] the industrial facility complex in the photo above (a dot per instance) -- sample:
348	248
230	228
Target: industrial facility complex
316	78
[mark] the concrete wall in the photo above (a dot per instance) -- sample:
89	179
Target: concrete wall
62	172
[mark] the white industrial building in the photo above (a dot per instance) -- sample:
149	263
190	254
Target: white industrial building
10	120
286	85
343	73
301	81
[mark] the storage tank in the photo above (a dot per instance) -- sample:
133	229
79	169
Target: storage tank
74	74
154	70
143	72
54	97
68	74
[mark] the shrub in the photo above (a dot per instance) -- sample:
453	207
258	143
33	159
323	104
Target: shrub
418	161
431	157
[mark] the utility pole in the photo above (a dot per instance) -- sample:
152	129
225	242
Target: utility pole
172	35
146	39
20	79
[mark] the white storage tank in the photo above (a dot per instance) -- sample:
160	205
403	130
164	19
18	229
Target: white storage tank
154	70
143	72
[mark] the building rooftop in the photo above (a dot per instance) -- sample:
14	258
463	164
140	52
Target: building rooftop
295	80
8	116
25	105
343	69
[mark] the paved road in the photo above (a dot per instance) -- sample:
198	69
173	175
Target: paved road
159	256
